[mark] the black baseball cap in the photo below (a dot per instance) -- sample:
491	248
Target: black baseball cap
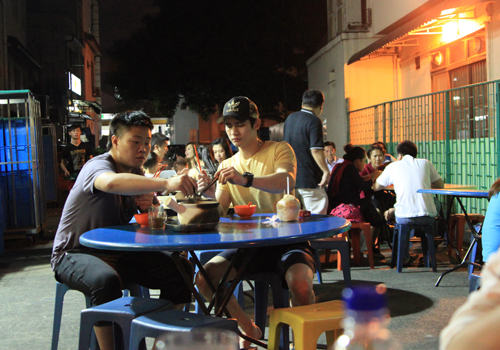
239	108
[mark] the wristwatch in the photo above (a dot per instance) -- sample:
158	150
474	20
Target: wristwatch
249	177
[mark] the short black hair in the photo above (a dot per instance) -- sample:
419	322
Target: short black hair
313	99
157	139
152	161
126	120
407	148
330	143
73	127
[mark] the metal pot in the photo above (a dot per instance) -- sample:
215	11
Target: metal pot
190	213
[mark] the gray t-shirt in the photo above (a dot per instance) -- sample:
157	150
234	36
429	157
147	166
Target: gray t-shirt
87	208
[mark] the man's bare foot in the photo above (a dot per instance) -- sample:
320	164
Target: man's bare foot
254	333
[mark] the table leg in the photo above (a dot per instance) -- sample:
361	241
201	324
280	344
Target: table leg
476	237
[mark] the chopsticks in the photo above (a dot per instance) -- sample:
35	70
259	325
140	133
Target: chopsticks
209	185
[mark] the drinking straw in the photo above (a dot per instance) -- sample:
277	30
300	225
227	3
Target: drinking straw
197	158
287	185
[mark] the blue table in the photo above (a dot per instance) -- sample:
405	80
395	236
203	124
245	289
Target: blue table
458	194
233	232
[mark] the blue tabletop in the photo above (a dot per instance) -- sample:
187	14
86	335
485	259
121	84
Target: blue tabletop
456	193
230	233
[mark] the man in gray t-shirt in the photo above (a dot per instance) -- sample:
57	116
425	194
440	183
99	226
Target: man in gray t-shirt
108	191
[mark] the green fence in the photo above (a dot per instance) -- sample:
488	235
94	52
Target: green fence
457	130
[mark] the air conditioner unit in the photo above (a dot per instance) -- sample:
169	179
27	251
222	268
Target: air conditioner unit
96	92
353	16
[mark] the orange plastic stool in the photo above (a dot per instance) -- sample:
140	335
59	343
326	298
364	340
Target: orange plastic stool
457	224
308	323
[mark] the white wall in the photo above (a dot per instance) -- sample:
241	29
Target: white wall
493	44
184	120
386	12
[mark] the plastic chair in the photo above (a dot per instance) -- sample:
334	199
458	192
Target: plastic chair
308	323
61	290
401	244
121	312
341	244
457	225
158	323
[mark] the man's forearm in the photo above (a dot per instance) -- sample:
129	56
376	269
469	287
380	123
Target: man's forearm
275	183
319	158
129	184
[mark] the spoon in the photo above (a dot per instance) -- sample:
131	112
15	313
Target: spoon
249	203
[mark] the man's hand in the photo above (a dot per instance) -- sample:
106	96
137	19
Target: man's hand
325	179
66	173
232	176
375	175
144	201
203	181
182	183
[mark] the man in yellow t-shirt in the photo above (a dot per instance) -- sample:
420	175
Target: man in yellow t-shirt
258	173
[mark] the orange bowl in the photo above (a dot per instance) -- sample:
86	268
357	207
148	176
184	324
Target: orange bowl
245	211
142	219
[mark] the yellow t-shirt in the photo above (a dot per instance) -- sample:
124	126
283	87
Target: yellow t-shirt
264	162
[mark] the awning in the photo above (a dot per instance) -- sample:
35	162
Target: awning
416	19
93	44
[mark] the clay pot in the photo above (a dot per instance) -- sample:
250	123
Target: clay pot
190	213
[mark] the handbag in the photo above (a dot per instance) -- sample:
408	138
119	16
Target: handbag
349	212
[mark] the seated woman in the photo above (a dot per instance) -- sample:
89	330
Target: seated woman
346	185
382	200
222	149
491	224
192	160
207	158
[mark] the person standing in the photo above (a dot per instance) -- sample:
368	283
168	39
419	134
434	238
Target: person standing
330	157
75	155
304	132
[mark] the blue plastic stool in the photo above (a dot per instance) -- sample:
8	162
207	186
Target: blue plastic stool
205	256
159	323
342	245
473	253
401	244
120	311
61	290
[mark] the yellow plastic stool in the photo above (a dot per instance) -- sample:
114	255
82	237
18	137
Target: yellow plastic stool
308	323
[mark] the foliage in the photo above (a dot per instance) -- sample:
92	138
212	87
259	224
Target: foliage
202	53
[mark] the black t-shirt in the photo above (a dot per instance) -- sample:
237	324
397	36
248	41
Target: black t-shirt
304	131
76	156
351	184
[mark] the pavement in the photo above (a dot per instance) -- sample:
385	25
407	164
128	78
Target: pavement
419	310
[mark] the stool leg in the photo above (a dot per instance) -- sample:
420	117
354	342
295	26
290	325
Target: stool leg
274	335
404	245
431	249
261	296
343	253
369	244
61	290
356	246
395	246
327	256
318	265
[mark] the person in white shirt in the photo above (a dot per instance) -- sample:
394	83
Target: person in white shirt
408	175
331	159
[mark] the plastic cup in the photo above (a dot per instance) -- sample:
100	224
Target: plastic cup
156	217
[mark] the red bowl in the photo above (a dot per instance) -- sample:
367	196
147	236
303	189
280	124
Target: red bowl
142	219
245	211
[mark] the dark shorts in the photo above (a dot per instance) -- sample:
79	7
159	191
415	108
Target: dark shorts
275	259
102	274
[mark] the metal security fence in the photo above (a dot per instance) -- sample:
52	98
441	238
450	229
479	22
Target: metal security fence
456	129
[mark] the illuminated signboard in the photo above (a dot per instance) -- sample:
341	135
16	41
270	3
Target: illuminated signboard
75	84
